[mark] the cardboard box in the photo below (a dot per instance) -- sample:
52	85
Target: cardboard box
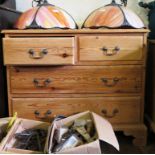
103	127
19	126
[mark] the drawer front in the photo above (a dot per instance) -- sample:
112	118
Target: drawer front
33	51
118	48
115	109
76	79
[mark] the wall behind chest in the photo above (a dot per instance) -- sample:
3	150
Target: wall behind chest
81	9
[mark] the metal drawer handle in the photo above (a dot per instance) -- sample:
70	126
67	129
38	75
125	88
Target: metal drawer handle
36	55
110	52
46	115
114	113
110	82
41	83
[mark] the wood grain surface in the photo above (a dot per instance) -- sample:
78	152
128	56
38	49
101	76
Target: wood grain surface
38	51
104	73
77	79
112	47
115	109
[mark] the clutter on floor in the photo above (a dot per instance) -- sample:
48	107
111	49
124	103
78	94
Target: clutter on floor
25	136
31	139
80	133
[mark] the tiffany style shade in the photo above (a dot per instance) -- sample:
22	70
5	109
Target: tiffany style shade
113	16
45	16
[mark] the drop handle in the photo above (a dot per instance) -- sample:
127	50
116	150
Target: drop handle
110	51
114	113
108	82
49	112
46	115
37	55
37	113
42	83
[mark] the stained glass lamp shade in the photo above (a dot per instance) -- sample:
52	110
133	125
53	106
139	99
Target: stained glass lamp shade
45	16
113	16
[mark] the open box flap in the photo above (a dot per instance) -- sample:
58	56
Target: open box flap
105	131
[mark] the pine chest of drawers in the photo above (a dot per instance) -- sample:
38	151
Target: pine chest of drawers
52	72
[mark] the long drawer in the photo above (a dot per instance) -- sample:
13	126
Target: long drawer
115	109
111	47
77	79
38	51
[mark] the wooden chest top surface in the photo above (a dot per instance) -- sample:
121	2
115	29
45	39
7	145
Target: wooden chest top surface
76	31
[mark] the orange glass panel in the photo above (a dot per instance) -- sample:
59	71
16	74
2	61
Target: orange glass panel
46	16
52	17
26	19
109	16
60	16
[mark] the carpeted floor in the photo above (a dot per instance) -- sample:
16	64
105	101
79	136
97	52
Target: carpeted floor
126	146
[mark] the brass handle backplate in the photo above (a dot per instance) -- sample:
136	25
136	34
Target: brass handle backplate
110	82
47	114
110	51
39	83
37	55
114	113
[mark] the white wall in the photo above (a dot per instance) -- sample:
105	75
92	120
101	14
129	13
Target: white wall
80	9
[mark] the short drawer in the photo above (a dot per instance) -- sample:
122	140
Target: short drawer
104	48
38	51
76	79
115	109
